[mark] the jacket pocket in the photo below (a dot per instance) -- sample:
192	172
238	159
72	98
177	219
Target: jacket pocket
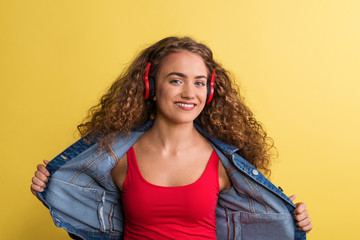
274	226
83	209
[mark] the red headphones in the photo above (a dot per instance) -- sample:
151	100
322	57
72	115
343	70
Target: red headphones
150	81
149	84
210	88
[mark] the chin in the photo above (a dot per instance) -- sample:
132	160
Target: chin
183	119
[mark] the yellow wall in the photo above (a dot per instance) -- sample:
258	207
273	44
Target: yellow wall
297	62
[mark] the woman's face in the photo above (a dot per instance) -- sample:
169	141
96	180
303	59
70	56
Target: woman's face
181	87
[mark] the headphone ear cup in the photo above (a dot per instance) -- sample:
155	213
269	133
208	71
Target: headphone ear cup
210	88
208	91
151	88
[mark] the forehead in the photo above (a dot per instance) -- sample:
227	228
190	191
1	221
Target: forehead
183	61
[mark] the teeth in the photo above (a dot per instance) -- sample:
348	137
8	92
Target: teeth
185	105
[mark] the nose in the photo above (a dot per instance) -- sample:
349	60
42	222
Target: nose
188	91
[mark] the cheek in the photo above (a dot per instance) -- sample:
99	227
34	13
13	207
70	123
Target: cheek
162	97
204	95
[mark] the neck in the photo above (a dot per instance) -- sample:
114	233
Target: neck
170	136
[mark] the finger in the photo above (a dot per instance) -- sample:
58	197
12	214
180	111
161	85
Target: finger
43	169
302	216
304	223
292	197
46	162
35	192
41	176
38	182
35	188
307	228
300	207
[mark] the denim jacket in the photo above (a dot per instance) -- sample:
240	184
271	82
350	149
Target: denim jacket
83	199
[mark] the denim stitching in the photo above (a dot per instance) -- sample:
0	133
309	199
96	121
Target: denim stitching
252	191
228	221
251	205
227	218
90	183
256	195
87	167
113	155
234	226
100	179
111	183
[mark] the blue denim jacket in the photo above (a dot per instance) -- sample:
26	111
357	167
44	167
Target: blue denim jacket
83	199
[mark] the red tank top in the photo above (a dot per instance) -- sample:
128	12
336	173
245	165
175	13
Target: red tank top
158	212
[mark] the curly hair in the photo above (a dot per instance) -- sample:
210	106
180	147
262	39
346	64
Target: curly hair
226	118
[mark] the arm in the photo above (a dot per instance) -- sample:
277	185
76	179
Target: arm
301	216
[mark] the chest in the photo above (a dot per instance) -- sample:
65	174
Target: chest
172	169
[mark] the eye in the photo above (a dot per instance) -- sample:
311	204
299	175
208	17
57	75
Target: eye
200	83
175	81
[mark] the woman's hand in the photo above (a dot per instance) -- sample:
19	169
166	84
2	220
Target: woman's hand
40	179
301	216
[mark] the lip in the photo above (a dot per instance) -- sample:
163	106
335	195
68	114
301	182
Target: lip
186	105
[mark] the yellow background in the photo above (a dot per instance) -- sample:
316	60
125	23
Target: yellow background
297	63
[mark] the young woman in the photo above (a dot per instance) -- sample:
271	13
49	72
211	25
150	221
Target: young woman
163	157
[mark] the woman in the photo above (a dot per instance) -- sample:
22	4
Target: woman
169	141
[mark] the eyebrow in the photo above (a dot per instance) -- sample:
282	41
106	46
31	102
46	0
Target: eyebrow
184	76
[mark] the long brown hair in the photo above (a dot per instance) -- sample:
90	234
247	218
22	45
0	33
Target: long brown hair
226	118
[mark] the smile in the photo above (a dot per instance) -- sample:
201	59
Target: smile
185	105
